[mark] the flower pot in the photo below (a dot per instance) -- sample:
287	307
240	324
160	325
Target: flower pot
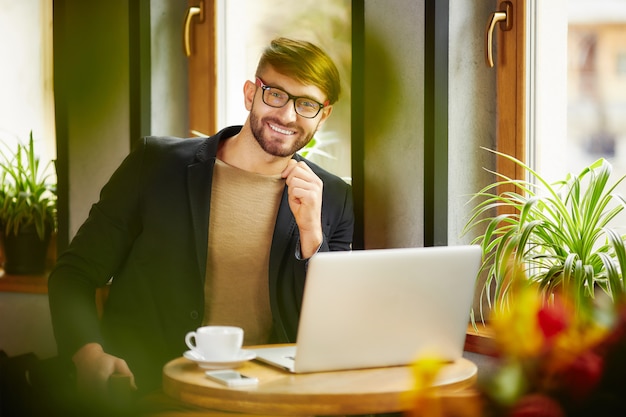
25	253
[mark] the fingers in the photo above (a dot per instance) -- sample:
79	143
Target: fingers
94	368
304	187
290	166
121	368
300	175
305	191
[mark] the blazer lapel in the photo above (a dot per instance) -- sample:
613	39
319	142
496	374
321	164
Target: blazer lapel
199	180
200	176
283	232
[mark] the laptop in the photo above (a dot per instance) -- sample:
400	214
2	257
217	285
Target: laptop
381	307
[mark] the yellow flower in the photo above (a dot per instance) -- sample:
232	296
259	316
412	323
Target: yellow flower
425	371
516	329
423	397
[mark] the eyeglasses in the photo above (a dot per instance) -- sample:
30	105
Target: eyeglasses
275	97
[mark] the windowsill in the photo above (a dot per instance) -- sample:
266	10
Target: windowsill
31	284
480	341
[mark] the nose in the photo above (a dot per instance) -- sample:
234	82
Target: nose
288	111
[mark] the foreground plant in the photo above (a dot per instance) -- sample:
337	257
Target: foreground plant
550	360
569	364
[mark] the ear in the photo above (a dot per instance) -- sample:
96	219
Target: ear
326	111
249	90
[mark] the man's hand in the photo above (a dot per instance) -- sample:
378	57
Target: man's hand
94	367
305	201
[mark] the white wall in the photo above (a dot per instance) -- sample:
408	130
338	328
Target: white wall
472	110
394	55
97	98
99	111
25	325
169	69
394	119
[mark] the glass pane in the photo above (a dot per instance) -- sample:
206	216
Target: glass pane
26	94
596	100
593	77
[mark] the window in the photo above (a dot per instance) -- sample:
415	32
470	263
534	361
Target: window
579	105
576	109
245	26
27	100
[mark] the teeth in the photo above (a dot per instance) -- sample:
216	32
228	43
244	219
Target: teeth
279	130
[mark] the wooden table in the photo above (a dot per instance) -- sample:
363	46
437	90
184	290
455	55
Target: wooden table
366	391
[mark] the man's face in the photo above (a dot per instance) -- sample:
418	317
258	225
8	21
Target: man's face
281	131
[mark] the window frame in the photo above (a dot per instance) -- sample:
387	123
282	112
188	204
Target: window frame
511	74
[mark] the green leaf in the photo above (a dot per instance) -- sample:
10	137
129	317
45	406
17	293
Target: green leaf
27	196
558	233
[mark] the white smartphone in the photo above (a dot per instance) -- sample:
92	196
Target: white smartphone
231	378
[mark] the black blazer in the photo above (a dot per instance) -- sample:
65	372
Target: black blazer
148	234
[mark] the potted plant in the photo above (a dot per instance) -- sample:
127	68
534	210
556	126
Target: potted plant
558	235
27	209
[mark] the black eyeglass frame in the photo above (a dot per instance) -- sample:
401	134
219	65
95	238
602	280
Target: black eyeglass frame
265	87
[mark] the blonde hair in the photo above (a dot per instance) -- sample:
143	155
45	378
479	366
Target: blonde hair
304	62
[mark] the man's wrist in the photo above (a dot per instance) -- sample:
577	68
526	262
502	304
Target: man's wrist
299	255
87	351
310	243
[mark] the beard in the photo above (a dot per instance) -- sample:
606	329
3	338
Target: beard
275	147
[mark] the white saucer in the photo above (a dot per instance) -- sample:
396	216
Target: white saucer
242	356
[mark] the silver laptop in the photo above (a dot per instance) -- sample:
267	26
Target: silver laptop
381	307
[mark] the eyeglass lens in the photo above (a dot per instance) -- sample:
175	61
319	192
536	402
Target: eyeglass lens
278	98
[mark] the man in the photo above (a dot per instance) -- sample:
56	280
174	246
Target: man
206	231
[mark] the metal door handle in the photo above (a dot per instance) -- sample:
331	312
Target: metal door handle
505	17
191	12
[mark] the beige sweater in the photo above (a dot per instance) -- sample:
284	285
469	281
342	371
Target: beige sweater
243	213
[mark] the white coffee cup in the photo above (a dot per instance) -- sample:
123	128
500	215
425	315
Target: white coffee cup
216	343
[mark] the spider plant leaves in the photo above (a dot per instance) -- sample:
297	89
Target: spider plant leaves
557	234
27	194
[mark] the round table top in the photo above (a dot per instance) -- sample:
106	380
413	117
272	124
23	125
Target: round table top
363	391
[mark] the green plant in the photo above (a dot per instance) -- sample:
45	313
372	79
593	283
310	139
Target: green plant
27	197
557	235
316	145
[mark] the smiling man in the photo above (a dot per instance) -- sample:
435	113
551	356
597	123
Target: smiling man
200	231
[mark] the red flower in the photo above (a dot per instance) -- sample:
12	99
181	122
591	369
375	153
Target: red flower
583	375
552	319
536	405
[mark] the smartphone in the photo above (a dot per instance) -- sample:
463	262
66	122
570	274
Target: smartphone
231	378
